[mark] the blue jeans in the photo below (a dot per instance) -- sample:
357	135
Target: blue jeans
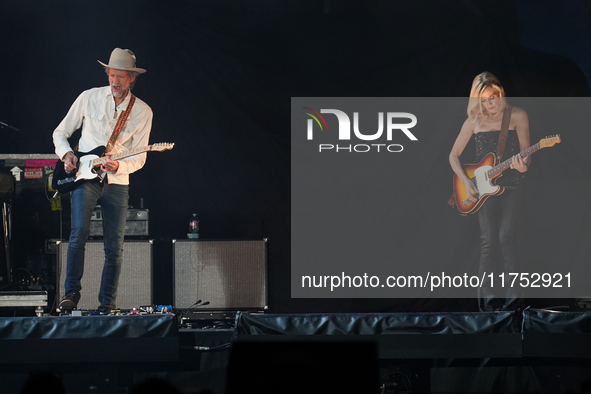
498	219
113	200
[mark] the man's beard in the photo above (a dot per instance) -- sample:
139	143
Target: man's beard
121	93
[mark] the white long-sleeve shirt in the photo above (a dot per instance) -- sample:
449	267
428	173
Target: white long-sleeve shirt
94	110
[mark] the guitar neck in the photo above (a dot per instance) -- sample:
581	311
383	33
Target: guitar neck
123	155
496	170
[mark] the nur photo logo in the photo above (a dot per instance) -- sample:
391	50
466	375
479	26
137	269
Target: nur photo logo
390	124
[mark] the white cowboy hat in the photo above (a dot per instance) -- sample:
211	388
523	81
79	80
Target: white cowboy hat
122	59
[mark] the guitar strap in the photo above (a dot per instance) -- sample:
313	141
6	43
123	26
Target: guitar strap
503	133
120	123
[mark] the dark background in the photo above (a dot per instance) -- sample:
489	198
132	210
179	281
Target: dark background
220	78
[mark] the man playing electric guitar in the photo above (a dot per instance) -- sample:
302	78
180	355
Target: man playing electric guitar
110	116
498	216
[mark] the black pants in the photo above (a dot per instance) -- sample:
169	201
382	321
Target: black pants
498	219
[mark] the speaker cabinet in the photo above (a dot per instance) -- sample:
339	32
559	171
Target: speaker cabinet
230	275
135	282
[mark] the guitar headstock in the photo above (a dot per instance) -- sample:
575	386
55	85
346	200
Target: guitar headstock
162	146
550	141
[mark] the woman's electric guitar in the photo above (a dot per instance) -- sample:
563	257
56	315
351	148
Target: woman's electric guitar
88	163
484	174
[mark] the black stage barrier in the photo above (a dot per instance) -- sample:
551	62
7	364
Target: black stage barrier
556	334
87	339
398	335
545	352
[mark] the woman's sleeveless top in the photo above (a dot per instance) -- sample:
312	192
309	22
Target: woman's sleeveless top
487	141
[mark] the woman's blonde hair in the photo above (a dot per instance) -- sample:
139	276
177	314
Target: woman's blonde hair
483	81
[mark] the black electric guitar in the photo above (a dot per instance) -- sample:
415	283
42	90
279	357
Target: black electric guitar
87	167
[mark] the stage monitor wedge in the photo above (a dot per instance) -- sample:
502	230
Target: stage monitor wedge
230	275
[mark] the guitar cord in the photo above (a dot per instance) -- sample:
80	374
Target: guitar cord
46	190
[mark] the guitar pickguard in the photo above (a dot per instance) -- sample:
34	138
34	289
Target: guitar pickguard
483	184
486	187
85	169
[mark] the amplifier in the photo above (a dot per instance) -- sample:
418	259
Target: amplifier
224	275
135	283
136	225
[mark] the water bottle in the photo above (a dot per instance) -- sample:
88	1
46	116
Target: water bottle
193	227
